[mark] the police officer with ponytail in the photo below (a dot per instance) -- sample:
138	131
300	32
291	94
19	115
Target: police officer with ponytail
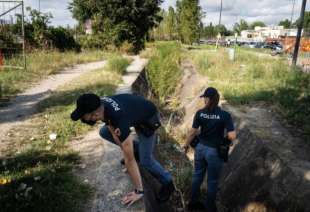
208	130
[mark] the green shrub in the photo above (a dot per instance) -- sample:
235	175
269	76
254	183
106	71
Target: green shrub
92	42
117	64
163	71
62	40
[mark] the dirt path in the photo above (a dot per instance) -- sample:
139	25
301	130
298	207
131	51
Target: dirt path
24	105
101	166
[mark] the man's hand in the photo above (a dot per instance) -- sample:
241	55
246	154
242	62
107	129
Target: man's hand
131	198
116	131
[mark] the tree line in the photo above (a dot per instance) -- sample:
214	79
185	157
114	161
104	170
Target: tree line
127	24
38	34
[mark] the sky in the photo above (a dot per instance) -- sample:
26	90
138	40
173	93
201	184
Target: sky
268	11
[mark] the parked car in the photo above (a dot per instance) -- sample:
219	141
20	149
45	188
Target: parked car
268	46
259	45
251	45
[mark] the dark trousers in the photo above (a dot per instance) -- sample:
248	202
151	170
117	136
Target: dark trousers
144	147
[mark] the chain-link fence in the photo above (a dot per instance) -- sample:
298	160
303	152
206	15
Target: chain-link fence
12	39
304	51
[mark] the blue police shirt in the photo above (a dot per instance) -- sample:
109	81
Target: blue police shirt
212	124
126	110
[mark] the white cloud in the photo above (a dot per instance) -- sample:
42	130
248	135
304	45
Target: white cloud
269	11
58	8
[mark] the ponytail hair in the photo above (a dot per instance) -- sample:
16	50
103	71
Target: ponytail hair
213	102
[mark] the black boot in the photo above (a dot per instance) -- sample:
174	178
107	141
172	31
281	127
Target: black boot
196	206
165	192
211	204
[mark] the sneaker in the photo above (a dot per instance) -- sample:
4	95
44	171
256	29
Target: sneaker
122	162
165	192
196	206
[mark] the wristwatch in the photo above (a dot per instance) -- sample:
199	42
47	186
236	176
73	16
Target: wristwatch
137	191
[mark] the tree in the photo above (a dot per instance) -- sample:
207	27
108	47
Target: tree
171	24
285	23
38	33
167	29
242	25
119	21
257	23
221	29
307	24
209	31
189	15
306	27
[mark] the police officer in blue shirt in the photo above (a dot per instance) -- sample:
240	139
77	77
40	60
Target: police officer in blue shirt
209	126
120	113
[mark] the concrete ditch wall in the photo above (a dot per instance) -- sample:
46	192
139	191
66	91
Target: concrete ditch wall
263	174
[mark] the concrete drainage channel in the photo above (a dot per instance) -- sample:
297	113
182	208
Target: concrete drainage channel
265	172
261	175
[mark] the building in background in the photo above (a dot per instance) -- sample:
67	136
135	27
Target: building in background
88	27
260	34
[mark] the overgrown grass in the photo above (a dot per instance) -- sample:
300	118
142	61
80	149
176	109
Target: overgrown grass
257	50
117	64
39	65
40	177
163	71
164	74
251	79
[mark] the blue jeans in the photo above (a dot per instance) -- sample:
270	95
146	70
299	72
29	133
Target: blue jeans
206	159
145	146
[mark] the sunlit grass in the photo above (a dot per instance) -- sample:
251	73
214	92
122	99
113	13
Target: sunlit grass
118	64
38	177
250	79
39	65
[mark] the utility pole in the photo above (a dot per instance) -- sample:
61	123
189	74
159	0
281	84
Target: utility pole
39	5
300	26
292	15
220	20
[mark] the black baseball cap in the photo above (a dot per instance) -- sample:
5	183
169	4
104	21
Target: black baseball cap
209	92
86	103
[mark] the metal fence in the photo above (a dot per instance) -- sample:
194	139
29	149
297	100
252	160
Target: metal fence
12	35
304	52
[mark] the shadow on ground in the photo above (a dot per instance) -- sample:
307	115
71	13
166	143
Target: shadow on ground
39	180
